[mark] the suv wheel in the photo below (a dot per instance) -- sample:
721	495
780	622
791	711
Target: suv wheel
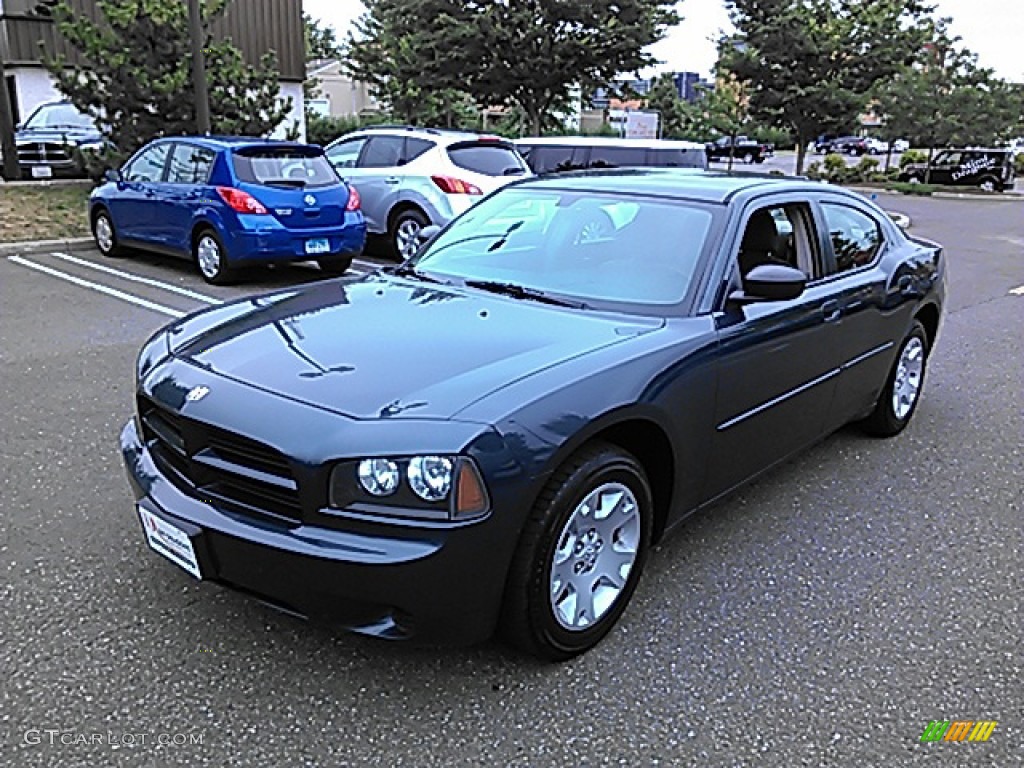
405	231
748	158
988	184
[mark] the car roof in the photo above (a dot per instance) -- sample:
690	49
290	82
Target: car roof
609	141
682	183
442	136
218	143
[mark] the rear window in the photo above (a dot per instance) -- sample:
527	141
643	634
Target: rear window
488	159
284	167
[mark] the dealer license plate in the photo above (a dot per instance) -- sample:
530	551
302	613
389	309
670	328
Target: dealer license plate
42	172
169	541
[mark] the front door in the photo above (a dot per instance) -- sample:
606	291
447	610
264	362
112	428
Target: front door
135	207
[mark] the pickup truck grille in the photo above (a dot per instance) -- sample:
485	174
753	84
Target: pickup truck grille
218	466
44	153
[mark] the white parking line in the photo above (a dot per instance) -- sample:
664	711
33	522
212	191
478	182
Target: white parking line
138	279
1018	291
97	287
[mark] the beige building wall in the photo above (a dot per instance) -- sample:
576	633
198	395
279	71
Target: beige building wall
345	96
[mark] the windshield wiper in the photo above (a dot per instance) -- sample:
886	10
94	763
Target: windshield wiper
522	292
406	270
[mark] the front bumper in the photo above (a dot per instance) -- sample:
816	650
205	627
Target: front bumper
431	584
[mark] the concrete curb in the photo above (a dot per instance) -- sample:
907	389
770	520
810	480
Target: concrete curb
46	246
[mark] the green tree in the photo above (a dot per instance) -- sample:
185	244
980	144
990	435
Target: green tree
726	109
135	73
665	100
525	54
811	64
321	45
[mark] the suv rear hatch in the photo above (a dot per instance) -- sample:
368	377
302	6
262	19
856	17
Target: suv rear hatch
487	163
296	184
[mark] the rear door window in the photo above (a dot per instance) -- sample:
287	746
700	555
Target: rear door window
189	164
294	167
382	152
856	237
414	148
487	159
346	154
616	157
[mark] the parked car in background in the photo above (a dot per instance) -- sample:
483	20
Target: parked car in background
743	149
228	203
47	142
876	146
410	178
497	432
556	154
900	145
846	145
990	169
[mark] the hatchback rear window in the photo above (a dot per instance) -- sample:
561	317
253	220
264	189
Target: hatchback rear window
488	159
284	167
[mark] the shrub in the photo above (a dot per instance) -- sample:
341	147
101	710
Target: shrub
814	171
1018	164
913	156
923	190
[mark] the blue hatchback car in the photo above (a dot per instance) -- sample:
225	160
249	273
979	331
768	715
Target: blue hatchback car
230	202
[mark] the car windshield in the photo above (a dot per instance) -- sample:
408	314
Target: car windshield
59	116
589	246
285	167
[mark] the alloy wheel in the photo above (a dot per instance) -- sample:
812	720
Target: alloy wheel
209	257
407	238
104	233
907	384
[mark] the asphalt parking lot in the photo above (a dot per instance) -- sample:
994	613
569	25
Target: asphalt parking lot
821	617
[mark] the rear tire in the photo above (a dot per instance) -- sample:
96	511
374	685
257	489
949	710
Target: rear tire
988	184
336	266
902	390
105	235
404	233
212	259
566	587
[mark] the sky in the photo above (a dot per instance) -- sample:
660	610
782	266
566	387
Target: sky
993	29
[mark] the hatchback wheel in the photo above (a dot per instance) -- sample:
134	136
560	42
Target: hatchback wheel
902	389
212	259
580	556
405	233
104	235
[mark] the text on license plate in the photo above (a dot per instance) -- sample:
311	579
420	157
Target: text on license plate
169	541
322	245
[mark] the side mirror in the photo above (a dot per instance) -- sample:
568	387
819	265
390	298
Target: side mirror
770	282
111	175
427	234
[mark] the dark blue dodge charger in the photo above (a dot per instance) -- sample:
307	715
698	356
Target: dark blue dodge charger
493	434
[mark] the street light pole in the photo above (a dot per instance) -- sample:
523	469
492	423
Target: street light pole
202	94
11	170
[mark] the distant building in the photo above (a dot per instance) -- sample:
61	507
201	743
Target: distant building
688	86
335	93
255	26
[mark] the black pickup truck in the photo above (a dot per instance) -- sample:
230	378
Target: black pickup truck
744	150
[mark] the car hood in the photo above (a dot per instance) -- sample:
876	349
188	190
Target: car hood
387	347
57	135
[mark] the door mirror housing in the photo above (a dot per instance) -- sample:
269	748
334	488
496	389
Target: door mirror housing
113	175
770	282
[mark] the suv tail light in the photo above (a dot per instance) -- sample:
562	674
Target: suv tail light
453	186
241	202
353	199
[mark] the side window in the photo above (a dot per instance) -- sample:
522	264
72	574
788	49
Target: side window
189	164
382	152
616	157
552	159
414	148
856	237
780	234
346	154
149	166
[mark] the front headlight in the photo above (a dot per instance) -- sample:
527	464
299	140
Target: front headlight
431	487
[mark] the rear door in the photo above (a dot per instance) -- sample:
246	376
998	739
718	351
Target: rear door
135	208
184	193
377	176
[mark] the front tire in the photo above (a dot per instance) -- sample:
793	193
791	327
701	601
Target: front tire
580	555
105	235
211	258
902	390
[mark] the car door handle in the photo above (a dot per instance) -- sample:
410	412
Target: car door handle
830	311
392	180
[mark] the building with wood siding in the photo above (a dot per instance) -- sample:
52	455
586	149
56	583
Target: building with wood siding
255	26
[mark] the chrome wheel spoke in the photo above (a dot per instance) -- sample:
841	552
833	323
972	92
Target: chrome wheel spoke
907	383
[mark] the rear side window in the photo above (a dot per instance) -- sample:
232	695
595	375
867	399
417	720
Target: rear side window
615	157
414	148
488	159
189	165
856	237
553	159
677	158
284	167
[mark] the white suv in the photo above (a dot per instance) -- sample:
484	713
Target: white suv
409	178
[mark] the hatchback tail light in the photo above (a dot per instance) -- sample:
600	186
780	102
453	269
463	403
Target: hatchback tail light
353	199
453	186
241	202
